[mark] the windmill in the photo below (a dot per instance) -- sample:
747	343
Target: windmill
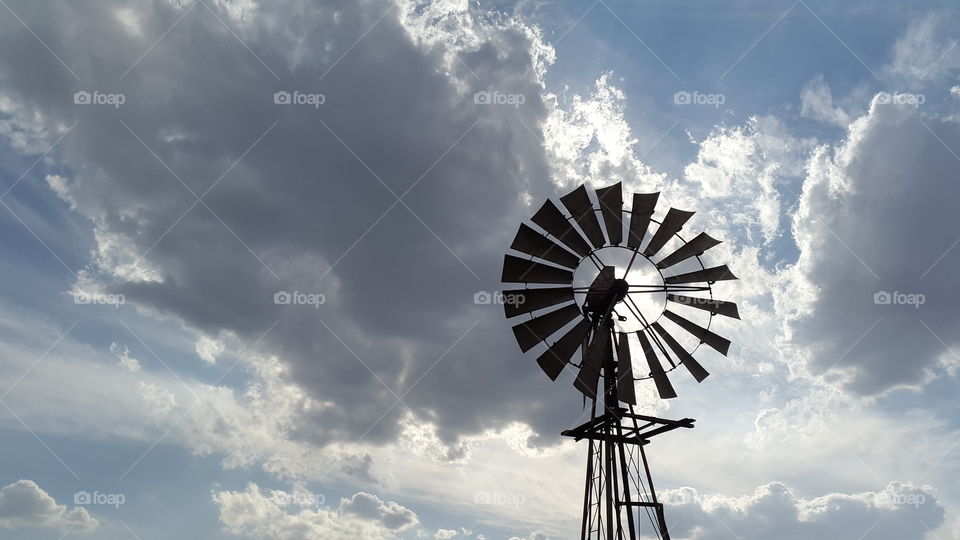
587	288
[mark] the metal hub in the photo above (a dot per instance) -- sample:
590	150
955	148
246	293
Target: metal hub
619	289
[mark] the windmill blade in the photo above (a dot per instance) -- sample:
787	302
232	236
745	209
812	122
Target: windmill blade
625	390
517	270
721	344
652	338
717	307
643	206
686	358
597	354
531	332
556	357
599	290
670	226
709	275
611	208
578	204
550	219
698	245
664	388
533	243
527	300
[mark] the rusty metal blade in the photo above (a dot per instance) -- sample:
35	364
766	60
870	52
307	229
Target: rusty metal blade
577	202
533	243
553	360
550	219
625	389
660	379
597	353
719	343
709	275
611	208
698	245
670	226
534	331
717	307
644	205
520	301
686	358
517	270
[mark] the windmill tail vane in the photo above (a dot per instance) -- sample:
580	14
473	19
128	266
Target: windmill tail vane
589	288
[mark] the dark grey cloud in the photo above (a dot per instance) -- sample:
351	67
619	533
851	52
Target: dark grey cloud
878	227
298	198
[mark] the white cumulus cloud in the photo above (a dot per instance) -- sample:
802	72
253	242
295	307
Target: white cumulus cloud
24	504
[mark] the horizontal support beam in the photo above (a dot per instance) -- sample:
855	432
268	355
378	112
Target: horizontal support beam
599	427
605	437
685	422
648	504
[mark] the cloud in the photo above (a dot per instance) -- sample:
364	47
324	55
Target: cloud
305	211
391	515
817	103
313	205
869	305
122	352
774	512
254	514
735	169
208	349
590	141
924	54
449	534
24	504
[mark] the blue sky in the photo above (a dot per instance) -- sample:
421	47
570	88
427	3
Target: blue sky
395	407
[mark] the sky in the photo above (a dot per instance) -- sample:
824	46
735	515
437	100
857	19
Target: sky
246	247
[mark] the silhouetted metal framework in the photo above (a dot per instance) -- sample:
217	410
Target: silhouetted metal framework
619	496
619	491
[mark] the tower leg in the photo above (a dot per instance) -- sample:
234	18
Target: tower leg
625	479
658	507
609	492
587	492
618	476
